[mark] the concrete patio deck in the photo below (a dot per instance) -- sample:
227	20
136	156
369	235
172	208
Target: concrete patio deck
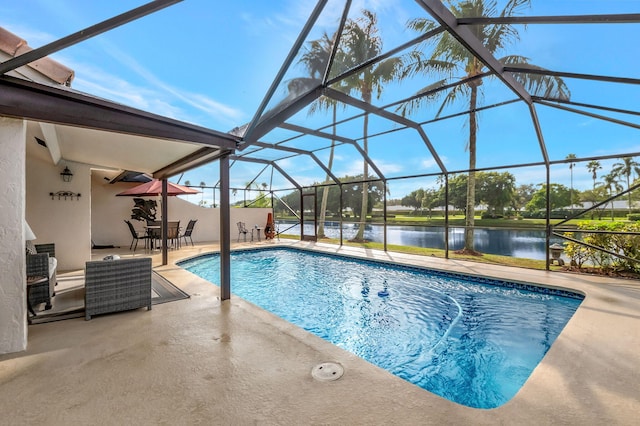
200	361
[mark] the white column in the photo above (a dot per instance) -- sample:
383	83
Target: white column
13	322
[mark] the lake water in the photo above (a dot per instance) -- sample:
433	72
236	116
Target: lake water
506	242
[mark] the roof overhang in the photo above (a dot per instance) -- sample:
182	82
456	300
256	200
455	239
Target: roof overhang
103	133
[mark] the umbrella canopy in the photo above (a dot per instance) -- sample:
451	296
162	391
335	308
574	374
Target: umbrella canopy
154	188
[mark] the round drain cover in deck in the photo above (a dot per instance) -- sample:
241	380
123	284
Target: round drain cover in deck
327	371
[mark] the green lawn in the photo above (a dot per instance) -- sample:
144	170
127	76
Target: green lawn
458	220
485	258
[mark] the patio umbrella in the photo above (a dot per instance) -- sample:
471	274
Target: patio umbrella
153	188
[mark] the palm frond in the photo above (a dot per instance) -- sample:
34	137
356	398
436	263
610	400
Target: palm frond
545	86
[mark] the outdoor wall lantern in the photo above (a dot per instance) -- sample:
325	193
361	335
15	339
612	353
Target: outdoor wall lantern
66	174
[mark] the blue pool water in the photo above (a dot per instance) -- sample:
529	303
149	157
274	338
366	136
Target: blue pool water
471	340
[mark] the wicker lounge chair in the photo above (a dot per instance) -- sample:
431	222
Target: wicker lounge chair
117	285
43	263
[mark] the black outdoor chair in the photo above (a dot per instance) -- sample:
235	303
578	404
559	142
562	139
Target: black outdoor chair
189	231
135	237
242	229
173	233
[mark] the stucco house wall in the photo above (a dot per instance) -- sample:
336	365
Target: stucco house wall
13	323
65	221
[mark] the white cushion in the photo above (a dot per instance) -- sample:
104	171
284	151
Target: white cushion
53	264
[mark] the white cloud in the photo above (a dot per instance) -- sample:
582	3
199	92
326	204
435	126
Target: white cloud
352	168
34	38
198	101
429	164
157	96
387	167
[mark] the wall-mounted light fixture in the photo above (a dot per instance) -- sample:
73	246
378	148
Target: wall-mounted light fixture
66	174
65	195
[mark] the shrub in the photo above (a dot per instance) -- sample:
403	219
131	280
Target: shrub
576	252
633	217
615	242
487	215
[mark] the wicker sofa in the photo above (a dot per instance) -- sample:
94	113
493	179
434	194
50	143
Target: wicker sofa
42	263
117	285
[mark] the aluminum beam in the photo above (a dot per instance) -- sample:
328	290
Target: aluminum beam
299	152
388	54
59	105
199	158
329	136
251	130
225	230
590	114
609	79
539	134
85	34
550	101
270	121
464	35
165	222
349	100
567	19
271	163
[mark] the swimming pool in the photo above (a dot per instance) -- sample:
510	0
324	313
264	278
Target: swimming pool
474	341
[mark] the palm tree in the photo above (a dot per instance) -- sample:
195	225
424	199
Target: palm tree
202	185
451	58
625	169
571	157
361	42
316	59
593	166
611	184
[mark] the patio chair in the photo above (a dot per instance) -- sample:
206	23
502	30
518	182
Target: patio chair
117	285
154	231
242	229
43	264
135	237
189	231
173	233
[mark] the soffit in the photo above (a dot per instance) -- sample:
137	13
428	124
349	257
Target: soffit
113	150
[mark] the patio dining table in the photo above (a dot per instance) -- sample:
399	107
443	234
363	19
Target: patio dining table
155	232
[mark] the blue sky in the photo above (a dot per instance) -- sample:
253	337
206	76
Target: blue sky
211	63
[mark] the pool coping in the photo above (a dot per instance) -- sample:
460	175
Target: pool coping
199	359
569	349
472	279
599	322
